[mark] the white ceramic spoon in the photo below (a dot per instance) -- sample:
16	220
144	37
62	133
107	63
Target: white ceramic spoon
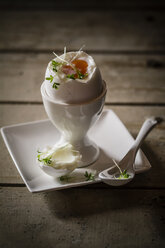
110	175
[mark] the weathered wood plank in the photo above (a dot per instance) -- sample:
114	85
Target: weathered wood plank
82	218
130	78
85	4
132	117
102	30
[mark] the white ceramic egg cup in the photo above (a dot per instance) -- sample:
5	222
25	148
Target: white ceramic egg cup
74	121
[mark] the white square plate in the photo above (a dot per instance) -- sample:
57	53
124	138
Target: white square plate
109	133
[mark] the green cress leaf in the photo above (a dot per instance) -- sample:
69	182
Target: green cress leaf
124	175
65	178
55	65
55	85
89	176
71	76
38	157
82	76
46	161
50	78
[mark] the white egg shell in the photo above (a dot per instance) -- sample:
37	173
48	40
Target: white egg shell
55	172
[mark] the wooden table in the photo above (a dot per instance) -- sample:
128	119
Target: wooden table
127	40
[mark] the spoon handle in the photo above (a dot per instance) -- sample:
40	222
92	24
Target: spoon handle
145	130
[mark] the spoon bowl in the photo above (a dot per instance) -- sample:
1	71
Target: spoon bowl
112	179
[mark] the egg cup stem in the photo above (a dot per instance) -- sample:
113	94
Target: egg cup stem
74	121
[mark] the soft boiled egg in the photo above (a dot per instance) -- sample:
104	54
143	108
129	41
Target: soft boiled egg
73	78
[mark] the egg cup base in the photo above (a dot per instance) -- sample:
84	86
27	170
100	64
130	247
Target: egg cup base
89	152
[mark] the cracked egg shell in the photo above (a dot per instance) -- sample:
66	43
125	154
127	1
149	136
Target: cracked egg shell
72	91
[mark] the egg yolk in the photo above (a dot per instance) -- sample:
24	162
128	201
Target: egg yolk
80	65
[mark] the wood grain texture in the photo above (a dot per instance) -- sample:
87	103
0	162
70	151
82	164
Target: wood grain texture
132	117
100	30
82	5
130	78
82	218
127	40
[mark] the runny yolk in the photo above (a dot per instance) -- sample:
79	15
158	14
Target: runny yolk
80	65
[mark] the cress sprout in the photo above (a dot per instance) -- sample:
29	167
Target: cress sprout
123	174
89	176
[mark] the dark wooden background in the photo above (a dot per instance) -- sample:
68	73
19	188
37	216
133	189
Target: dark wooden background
127	40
